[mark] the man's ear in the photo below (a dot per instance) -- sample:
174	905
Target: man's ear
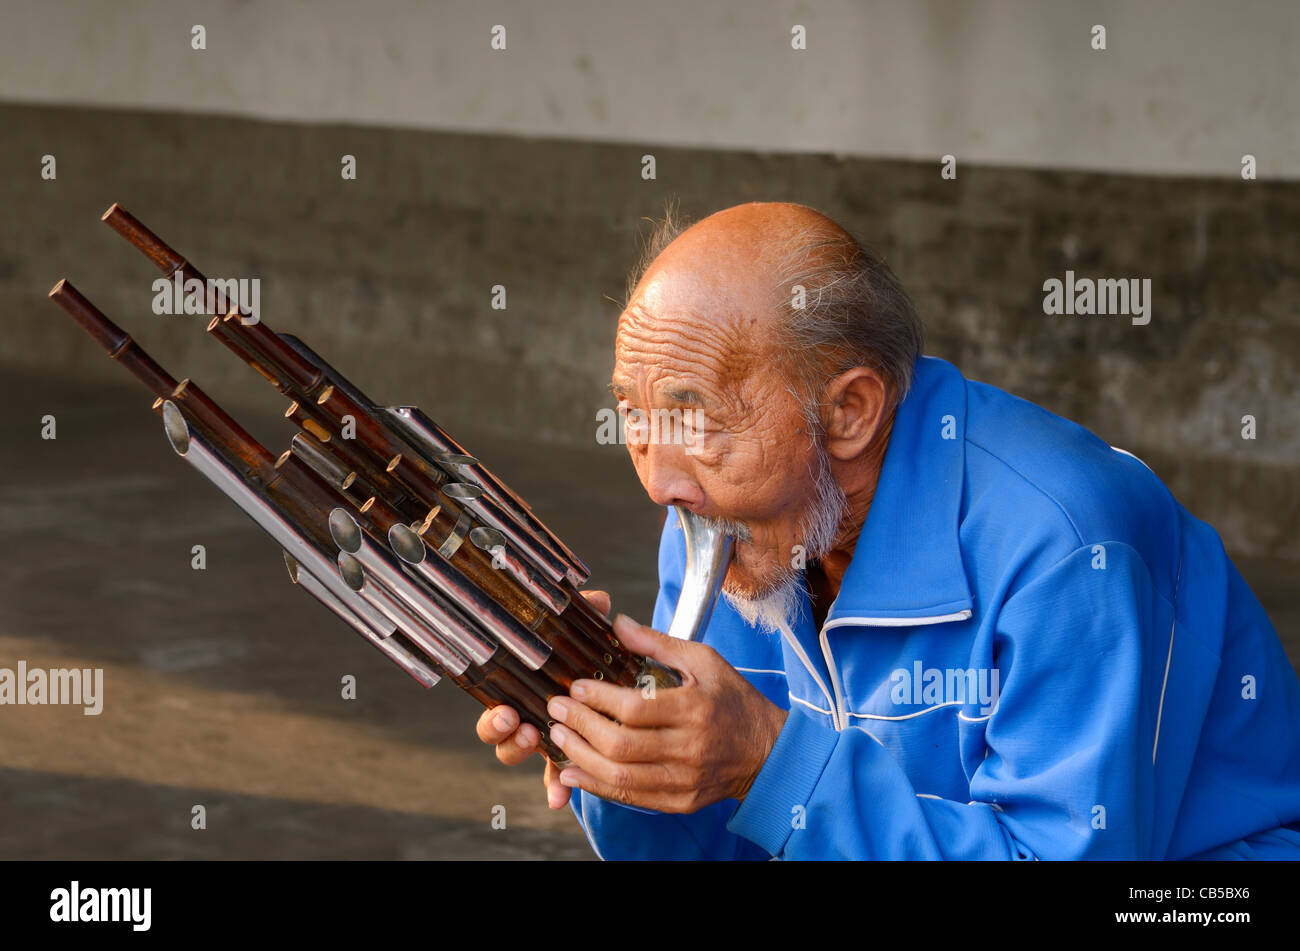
855	406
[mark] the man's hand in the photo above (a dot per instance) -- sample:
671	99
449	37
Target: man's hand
673	750
501	728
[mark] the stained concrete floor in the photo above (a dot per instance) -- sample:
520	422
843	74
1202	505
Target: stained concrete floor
222	686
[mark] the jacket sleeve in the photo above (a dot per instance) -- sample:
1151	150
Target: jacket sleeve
1068	767
616	831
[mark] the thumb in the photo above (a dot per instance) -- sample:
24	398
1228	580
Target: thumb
598	600
651	643
557	794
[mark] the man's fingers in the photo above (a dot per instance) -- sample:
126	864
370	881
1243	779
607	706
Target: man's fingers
500	727
645	640
580	779
631	706
557	794
522	744
598	600
618	741
618	782
497	724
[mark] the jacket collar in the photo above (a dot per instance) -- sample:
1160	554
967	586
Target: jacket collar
907	567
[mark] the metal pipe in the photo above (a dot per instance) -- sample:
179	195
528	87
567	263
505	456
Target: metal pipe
322	463
421	431
266	513
516	555
425	434
496	620
332	375
428	606
537	567
355	576
421	672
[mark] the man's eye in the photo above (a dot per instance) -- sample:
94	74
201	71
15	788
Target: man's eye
697	422
634	422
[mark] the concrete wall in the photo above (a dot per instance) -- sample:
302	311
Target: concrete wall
1184	86
390	276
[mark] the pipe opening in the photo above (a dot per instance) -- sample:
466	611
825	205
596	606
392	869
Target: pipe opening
350	570
457	459
486	538
345	531
177	429
462	490
408	545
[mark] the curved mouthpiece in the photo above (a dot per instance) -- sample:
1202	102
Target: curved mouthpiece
177	429
708	552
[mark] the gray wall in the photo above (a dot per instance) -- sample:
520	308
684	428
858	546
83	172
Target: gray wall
1184	86
390	276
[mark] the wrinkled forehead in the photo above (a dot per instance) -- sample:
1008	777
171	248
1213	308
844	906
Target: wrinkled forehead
694	334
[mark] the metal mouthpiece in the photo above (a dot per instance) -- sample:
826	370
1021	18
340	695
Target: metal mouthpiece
708	552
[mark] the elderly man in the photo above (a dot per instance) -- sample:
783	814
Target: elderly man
955	626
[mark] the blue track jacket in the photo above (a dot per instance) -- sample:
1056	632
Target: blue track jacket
1036	652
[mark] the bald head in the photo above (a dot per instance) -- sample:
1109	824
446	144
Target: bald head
726	269
791	286
742	245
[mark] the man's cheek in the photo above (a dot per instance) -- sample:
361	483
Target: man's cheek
746	482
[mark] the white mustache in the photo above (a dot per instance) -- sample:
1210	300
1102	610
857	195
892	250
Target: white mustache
736	529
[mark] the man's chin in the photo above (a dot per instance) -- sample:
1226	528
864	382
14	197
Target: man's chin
753	574
767	605
739	583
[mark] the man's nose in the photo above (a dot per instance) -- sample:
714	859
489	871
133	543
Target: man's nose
665	475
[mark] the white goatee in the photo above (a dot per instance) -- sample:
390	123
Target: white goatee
776	602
